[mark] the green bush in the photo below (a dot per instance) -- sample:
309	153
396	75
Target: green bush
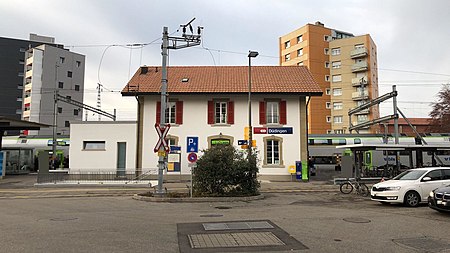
225	171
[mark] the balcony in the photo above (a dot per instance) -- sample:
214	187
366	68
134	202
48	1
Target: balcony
29	60
29	73
26	114
359	80
359	52
28	87
365	111
359	96
360	66
27	100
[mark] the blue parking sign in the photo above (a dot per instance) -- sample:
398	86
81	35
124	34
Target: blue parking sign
192	144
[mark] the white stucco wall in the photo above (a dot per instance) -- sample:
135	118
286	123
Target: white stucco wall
195	124
111	132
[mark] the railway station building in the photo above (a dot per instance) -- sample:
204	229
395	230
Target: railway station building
208	105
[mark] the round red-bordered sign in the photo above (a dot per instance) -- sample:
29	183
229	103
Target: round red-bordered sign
192	157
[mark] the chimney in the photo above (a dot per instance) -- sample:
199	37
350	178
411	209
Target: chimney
319	23
144	70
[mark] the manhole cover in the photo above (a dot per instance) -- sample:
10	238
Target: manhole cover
223	207
424	244
63	219
252	239
356	220
211	215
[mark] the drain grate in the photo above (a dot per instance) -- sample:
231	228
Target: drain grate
211	215
356	220
253	239
425	244
63	219
237	225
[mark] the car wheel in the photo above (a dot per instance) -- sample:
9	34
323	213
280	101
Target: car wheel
412	199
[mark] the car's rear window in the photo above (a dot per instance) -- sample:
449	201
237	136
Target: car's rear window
446	174
410	175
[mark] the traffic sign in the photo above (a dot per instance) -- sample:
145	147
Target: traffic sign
192	157
192	144
242	142
162	133
175	148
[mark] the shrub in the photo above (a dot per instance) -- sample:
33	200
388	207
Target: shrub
225	171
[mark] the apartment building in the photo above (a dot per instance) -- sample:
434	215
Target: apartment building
12	72
51	70
344	66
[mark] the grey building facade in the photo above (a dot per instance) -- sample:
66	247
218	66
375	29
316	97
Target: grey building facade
50	70
12	72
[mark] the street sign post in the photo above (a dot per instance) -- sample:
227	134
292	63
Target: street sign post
162	133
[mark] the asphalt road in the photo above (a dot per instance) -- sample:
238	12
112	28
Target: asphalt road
322	221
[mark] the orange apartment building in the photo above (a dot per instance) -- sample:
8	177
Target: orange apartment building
344	65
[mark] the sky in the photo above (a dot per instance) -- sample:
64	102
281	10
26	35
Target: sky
411	38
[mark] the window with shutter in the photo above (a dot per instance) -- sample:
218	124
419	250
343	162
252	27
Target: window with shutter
210	112
179	113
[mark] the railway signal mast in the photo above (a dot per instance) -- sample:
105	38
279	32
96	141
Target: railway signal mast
169	42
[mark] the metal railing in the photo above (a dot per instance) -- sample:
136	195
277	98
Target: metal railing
99	176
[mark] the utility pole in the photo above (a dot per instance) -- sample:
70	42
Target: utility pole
99	99
55	122
186	40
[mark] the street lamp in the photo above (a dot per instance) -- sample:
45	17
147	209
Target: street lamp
251	54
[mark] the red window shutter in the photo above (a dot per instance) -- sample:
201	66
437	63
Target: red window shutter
283	118
179	112
210	112
230	110
262	112
158	112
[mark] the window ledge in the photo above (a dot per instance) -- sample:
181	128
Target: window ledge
273	166
273	125
221	125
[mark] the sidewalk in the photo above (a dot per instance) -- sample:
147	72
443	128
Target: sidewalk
23	186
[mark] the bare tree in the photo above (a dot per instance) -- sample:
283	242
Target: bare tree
440	115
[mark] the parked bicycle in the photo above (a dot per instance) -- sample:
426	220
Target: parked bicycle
360	188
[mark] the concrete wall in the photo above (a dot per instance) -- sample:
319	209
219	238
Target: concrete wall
111	132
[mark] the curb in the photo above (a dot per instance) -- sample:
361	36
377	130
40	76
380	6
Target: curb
193	200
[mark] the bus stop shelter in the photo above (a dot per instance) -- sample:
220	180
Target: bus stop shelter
9	124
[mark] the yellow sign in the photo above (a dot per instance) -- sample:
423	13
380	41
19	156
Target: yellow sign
161	153
244	146
292	169
170	167
246	133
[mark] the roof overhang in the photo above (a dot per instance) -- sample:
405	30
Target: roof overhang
306	94
16	124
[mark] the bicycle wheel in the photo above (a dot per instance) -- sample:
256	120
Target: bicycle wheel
363	190
346	188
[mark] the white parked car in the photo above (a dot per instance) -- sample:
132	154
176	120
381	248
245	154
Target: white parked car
412	186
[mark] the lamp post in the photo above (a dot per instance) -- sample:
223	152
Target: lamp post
251	54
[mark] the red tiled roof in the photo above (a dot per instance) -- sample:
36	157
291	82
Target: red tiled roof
224	79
